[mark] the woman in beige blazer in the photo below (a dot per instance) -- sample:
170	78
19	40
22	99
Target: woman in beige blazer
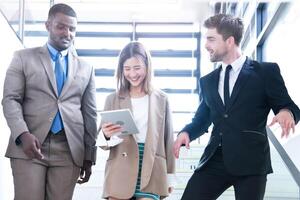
138	164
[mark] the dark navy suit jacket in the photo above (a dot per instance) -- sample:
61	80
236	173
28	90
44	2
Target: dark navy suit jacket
241	129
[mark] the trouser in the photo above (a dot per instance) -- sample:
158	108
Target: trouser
52	178
212	180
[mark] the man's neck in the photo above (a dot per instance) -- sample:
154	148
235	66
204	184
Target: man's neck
232	56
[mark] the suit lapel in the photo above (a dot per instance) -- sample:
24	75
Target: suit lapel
46	61
214	83
155	117
155	129
241	81
72	69
125	101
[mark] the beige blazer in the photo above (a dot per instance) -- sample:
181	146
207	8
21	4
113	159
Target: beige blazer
30	101
121	169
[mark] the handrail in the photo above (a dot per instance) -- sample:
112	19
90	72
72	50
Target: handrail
21	19
285	157
5	17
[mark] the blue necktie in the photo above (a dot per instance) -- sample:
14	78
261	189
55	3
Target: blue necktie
226	87
57	124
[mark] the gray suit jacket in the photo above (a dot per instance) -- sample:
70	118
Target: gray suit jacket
121	169
30	102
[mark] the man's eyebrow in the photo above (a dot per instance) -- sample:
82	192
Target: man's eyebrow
64	24
210	37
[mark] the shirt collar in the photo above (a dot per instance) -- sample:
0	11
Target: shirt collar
53	51
237	64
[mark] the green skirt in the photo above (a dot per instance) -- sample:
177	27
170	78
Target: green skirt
138	193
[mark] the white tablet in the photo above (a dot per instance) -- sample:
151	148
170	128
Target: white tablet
122	117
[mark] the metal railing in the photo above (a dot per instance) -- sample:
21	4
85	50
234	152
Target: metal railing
285	157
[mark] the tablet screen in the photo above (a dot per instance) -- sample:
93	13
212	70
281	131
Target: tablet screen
122	117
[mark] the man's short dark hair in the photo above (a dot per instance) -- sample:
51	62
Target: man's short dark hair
61	8
227	26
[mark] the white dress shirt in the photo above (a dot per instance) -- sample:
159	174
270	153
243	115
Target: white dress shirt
233	75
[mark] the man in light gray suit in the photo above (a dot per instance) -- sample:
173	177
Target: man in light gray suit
50	108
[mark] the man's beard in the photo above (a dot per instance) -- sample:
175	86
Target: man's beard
217	57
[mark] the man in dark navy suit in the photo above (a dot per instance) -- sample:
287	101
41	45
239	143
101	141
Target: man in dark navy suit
236	98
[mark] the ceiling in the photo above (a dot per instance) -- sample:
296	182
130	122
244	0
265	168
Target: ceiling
117	10
144	10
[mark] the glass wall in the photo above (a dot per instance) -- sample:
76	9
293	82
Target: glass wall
281	47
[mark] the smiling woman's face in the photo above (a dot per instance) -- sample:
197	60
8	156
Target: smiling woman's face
134	70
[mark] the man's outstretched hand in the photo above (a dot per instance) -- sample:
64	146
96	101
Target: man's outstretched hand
286	121
182	139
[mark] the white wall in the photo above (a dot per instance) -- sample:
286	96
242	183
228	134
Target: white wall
9	43
282	46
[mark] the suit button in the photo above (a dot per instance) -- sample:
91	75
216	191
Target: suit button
220	134
225	115
50	119
124	154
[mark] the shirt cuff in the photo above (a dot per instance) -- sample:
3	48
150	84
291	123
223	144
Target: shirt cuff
113	141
